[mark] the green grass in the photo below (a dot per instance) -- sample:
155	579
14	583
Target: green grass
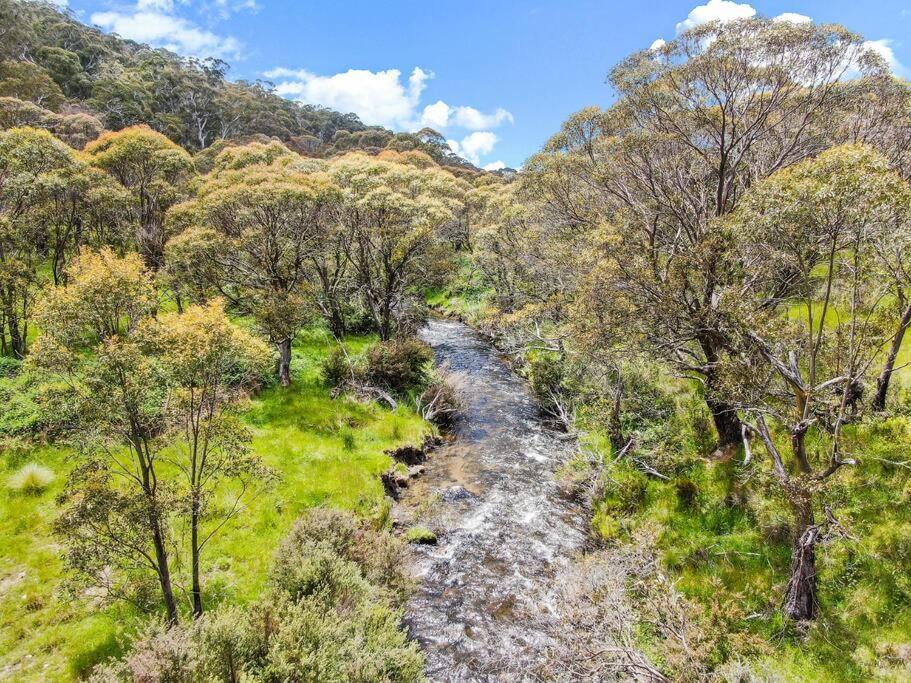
326	451
420	534
726	542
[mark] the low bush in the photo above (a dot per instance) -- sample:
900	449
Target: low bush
421	536
329	614
440	403
9	366
398	366
336	369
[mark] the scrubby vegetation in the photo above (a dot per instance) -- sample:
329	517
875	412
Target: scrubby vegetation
706	282
329	613
209	298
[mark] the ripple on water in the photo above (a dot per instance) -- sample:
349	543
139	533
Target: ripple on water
484	606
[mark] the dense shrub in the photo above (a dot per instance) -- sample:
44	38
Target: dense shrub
330	614
336	369
9	366
440	403
21	414
398	366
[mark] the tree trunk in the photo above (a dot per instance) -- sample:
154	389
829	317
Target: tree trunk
615	427
164	572
336	321
194	549
17	343
727	422
386	321
800	602
882	384
284	362
724	414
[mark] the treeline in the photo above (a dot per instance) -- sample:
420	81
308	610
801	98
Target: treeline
280	237
739	220
128	264
58	74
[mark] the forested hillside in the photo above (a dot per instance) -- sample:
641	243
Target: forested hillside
58	74
219	417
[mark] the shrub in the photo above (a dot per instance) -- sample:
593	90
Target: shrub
439	403
31	478
421	535
326	617
9	367
336	369
398	366
378	554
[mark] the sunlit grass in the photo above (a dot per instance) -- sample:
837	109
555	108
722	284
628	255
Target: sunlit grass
325	451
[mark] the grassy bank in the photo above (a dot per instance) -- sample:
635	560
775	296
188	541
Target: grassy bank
326	451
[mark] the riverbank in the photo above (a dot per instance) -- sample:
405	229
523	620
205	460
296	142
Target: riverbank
326	451
483	606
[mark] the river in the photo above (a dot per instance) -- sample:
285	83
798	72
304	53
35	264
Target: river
483	608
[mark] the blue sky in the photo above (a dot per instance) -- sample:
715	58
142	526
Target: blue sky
496	77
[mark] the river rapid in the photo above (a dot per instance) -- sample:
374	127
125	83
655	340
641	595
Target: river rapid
484	607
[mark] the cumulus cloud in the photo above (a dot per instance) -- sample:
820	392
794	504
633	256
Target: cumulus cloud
384	98
495	166
474	146
156	5
167	24
377	97
441	115
793	17
716	10
657	44
168	31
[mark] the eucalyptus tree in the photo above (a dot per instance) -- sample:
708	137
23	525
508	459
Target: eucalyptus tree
697	122
27	155
392	214
810	318
147	400
116	517
249	236
877	112
206	360
154	170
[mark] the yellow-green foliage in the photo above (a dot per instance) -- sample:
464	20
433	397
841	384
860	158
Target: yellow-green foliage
300	432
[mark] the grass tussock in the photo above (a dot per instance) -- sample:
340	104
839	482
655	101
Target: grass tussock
31	478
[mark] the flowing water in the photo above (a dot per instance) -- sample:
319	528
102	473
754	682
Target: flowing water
483	609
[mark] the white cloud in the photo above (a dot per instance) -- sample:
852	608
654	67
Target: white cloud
474	146
382	98
657	44
883	47
472	119
170	32
436	115
441	115
377	97
716	10
156	22
157	5
793	17
494	166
